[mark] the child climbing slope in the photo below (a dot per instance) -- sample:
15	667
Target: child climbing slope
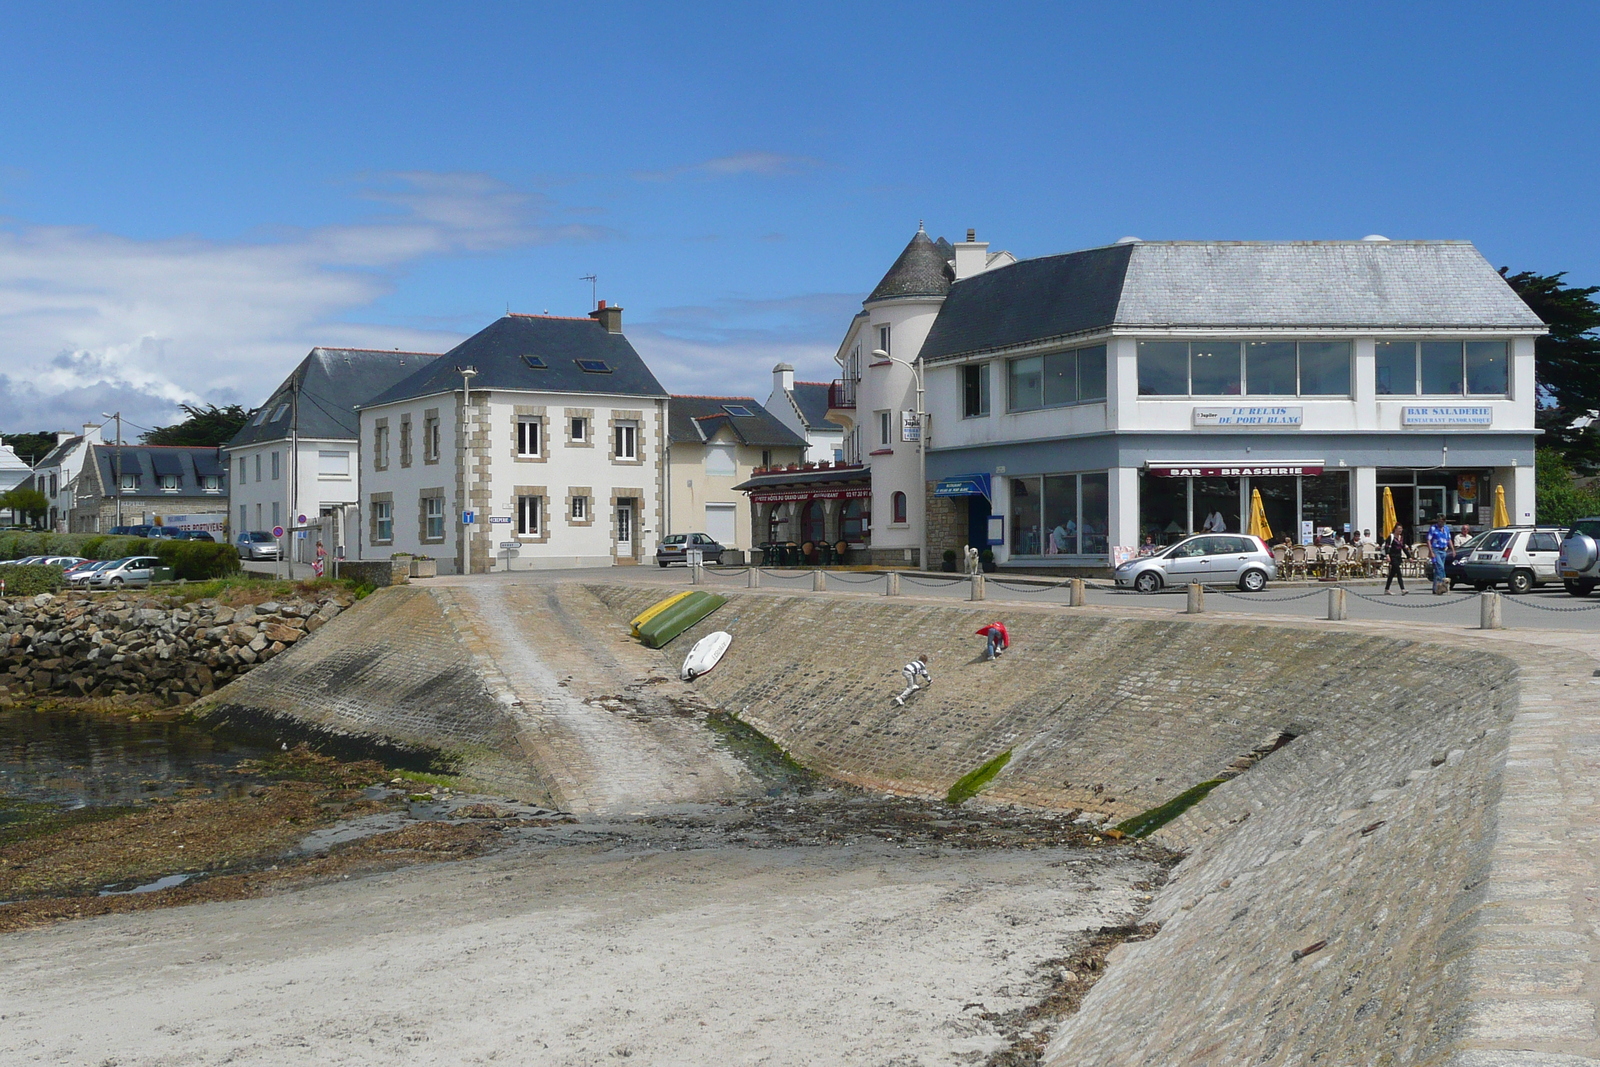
917	668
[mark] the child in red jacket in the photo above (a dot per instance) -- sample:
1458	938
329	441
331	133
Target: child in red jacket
999	640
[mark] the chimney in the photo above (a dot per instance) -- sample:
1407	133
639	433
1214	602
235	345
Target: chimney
63	436
91	433
609	317
783	378
972	256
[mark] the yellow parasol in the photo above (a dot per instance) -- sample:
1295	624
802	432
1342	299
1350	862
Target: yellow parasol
1501	516
1390	519
1258	517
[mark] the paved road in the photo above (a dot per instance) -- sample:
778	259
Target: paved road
1545	609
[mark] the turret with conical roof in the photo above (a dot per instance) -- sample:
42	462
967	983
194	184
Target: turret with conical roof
923	269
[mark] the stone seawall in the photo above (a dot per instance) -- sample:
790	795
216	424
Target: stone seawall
391	673
1368	842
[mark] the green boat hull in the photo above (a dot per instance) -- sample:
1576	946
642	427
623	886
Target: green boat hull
679	617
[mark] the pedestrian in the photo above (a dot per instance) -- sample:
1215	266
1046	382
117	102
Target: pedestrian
1214	523
917	668
1394	546
1439	544
320	563
999	640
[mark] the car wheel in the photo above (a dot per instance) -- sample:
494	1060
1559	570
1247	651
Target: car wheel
1253	581
116	583
661	563
1579	588
1147	582
1519	582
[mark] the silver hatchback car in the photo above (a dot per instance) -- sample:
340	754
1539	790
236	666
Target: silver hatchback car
1210	559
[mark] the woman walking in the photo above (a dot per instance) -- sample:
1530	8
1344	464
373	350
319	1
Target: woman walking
1394	546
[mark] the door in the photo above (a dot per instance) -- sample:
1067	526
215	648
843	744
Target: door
1187	562
625	531
721	524
1226	557
1543	551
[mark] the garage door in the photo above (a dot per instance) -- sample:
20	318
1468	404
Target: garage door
721	522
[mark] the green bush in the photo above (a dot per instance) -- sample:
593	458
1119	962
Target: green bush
197	561
18	544
31	580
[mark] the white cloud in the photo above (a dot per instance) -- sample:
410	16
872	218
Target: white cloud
90	319
760	164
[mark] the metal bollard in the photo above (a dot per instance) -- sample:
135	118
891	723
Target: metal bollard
1338	609
819	581
977	587
1197	599
1075	594
1489	611
891	583
753	579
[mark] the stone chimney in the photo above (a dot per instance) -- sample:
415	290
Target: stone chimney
609	317
972	256
783	378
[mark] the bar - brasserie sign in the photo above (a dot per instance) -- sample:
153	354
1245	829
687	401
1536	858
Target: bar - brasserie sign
1233	470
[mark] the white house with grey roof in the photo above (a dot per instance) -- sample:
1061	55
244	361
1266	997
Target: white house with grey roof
548	433
1093	400
297	453
803	407
713	444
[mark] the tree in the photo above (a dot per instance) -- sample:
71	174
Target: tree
25	501
209	426
31	447
1566	364
1560	498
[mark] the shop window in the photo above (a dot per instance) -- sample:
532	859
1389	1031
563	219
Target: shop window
1441	368
1269	368
1163	368
975	390
1324	368
1214	368
1163	509
1395	368
1060	514
854	522
1325	500
811	528
898	507
1488	371
1094	513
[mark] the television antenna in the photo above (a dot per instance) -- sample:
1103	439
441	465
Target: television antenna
594	288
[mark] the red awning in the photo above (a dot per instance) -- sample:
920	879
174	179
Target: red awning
779	496
1232	470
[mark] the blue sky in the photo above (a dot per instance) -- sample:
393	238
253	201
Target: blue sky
193	195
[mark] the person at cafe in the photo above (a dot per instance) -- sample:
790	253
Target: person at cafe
1395	548
1439	545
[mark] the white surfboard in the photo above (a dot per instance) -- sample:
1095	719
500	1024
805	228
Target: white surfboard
705	654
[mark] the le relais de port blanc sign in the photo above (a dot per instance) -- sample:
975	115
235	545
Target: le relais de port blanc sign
1251	416
1447	415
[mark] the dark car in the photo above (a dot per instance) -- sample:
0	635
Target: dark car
154	533
1455	561
256	544
675	548
199	535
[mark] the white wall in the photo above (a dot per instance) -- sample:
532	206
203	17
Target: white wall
315	491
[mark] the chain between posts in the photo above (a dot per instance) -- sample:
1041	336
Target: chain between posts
937	583
1259	599
853	581
1420	606
781	576
1524	603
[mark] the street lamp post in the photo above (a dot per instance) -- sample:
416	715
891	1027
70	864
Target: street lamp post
467	374
922	450
116	464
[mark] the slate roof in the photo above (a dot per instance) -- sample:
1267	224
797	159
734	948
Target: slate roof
332	381
923	269
812	400
54	457
698	418
150	461
1433	285
497	350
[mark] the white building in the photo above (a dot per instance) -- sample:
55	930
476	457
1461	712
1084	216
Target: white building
803	407
56	475
1116	394
297	454
558	457
713	444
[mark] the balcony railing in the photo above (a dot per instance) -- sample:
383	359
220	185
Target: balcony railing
842	393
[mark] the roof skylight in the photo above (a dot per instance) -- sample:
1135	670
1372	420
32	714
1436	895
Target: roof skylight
593	366
536	362
740	410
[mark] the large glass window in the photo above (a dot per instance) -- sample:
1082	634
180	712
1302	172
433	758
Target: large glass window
1325	500
1269	368
1061	514
1216	505
1163	368
1487	371
1214	368
1025	516
1441	368
1163	509
1094	527
1395	368
1092	373
1324	368
1027	383
1058	379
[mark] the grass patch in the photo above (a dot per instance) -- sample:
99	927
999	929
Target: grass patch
1149	822
22	820
241	589
971	783
444	781
763	756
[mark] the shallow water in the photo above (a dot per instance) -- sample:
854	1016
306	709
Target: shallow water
77	759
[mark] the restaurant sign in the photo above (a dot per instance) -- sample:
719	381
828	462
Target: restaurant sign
779	496
1448	415
1233	470
1252	416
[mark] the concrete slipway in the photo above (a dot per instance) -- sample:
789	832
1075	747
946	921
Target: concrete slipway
1426	814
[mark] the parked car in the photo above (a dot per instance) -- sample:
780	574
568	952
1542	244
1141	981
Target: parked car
256	544
157	533
1579	562
1521	557
64	562
674	548
198	535
81	574
128	571
1455	561
1209	559
25	561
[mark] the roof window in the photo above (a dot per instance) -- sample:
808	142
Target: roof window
740	410
593	366
283	409
536	362
261	416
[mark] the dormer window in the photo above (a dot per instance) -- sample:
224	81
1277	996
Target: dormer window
130	482
593	366
169	483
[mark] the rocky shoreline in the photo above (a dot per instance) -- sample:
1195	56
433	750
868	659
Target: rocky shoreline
111	645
